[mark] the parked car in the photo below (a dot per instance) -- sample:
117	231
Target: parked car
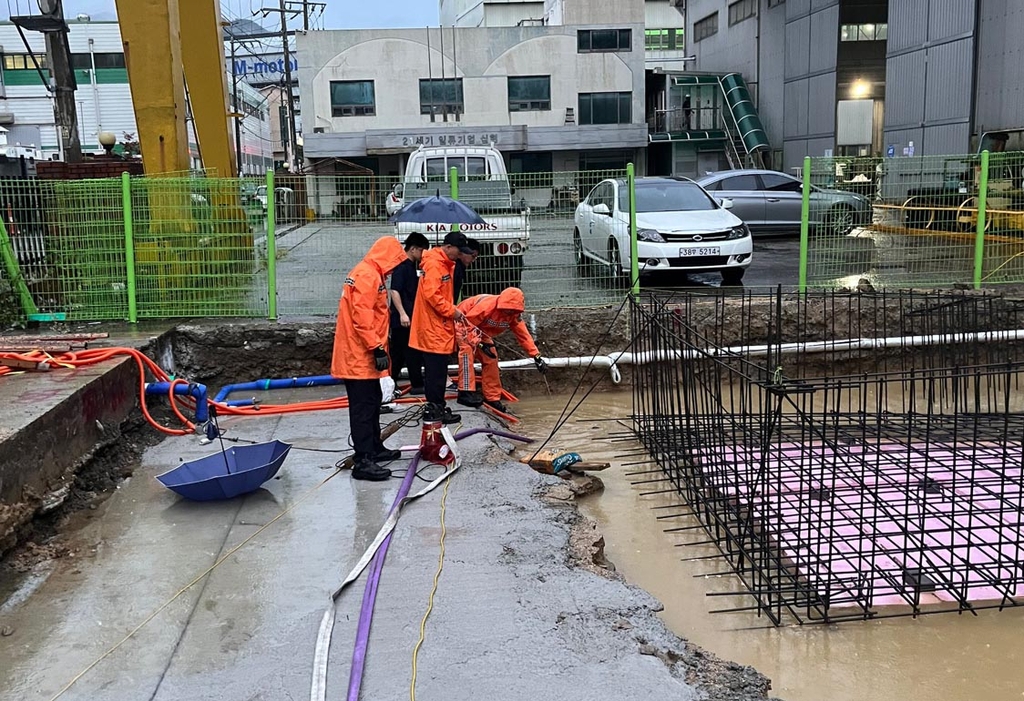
770	202
680	227
284	195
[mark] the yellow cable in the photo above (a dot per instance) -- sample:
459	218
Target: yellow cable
430	601
188	586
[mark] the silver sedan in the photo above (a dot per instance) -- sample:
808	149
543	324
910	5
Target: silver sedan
770	202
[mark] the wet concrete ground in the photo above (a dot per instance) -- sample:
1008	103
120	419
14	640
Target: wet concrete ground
944	657
511	619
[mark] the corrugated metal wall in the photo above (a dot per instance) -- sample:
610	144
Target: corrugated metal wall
1000	103
930	75
812	36
771	88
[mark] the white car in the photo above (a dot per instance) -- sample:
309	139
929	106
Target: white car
395	200
680	227
260	195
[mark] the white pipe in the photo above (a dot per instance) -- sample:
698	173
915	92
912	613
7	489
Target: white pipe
613	360
95	88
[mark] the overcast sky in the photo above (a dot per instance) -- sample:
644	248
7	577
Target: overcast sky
340	14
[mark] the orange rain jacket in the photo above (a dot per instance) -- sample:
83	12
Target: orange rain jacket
496	314
363	312
433	317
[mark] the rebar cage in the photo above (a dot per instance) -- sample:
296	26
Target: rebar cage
850	455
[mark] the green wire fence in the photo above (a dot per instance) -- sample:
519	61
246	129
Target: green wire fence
931	221
140	248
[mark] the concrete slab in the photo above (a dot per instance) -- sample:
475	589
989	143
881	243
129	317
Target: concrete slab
511	618
51	422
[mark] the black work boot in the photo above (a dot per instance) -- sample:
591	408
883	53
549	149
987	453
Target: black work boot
448	417
370	471
470	399
433	412
497	405
385	454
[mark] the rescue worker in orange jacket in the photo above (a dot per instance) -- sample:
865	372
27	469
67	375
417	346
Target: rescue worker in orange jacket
433	323
361	356
488	316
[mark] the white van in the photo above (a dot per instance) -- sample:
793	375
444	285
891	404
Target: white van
483	179
484	186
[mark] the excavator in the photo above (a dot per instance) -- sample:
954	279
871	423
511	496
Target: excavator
169	44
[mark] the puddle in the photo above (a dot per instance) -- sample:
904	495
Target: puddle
934	658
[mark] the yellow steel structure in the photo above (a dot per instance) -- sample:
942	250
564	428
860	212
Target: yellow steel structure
165	43
151	35
202	47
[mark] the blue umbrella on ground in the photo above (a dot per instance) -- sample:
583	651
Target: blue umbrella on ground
436	210
229	473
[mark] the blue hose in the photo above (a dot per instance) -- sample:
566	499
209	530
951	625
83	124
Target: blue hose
286	383
194	390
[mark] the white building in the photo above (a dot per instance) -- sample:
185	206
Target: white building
104	97
565	93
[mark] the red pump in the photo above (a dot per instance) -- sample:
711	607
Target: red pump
433	447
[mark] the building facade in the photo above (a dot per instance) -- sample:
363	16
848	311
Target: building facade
103	97
550	96
869	77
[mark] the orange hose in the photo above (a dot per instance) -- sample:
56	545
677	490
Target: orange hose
89	357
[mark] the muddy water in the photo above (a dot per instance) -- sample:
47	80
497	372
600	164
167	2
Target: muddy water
935	658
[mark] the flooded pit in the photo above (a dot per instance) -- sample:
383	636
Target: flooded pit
945	657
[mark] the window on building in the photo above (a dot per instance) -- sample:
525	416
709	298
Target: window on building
592	40
439	96
775	3
703	28
529	93
741	10
864	32
663	39
23	62
352	98
606	108
83	62
528	170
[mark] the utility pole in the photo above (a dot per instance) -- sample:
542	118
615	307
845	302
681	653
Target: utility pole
62	78
291	8
292	143
236	106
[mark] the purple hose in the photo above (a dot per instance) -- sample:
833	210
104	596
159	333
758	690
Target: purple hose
355	679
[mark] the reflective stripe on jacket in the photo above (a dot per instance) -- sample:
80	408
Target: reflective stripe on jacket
496	314
433	316
363	312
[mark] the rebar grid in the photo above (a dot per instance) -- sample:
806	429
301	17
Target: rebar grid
844	481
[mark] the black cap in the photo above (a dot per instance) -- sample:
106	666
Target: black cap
459	240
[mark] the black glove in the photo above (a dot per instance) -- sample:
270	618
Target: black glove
380	359
541	365
488	350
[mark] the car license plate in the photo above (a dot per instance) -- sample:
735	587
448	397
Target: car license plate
706	251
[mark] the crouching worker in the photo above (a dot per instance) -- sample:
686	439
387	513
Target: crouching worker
488	316
361	356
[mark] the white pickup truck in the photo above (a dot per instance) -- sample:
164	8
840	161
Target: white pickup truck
484	186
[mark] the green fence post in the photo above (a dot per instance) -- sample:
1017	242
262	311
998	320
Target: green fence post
453	181
634	255
129	247
979	237
28	305
453	178
805	224
271	248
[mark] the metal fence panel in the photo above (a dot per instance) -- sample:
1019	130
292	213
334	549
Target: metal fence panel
196	248
326	223
934	221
